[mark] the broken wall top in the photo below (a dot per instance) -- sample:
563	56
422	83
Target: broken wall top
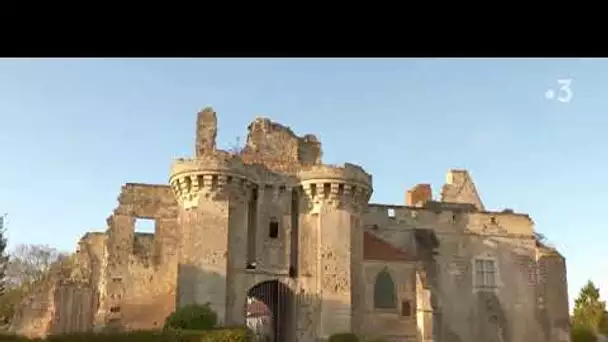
268	143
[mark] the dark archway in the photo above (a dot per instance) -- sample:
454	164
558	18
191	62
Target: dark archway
270	304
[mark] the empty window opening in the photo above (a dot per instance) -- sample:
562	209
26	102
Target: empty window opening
313	190
188	182
282	189
341	189
493	220
273	228
391	212
406	308
201	180
117	279
326	189
214	182
115	309
145	225
228	179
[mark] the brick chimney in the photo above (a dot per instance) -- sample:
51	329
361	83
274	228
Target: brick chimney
418	195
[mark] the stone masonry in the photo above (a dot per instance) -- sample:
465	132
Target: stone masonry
444	270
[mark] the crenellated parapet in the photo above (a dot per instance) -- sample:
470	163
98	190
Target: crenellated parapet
348	186
211	176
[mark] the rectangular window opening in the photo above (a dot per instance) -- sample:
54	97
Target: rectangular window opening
326	189
273	228
391	212
145	225
214	182
406	308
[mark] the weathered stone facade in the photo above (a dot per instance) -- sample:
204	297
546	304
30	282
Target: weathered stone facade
446	270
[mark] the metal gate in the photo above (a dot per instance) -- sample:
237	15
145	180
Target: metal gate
268	311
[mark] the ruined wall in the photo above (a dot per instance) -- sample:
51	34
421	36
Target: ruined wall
231	220
141	269
63	301
91	259
278	148
461	311
34	316
506	312
553	294
206	132
459	188
75	307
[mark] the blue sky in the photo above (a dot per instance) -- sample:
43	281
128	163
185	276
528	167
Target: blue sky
73	131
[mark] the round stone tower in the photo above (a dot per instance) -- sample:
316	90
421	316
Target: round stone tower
212	191
331	252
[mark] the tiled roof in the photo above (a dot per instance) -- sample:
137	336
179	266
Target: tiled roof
375	248
258	308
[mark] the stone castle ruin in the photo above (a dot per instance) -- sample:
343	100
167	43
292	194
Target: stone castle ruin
274	226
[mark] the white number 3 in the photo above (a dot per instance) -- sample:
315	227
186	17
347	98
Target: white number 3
565	91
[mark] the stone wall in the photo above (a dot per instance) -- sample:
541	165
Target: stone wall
399	323
141	274
278	147
272	212
75	308
460	310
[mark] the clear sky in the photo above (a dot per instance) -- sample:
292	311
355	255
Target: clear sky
73	131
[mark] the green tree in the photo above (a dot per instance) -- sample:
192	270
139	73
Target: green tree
589	313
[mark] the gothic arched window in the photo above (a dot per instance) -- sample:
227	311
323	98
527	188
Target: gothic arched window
384	292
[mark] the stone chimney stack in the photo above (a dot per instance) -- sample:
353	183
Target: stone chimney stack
206	131
418	195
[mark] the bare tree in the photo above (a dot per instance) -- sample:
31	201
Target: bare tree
3	255
30	263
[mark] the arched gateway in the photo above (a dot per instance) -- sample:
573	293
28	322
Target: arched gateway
269	311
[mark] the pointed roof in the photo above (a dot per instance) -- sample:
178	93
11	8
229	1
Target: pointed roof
377	249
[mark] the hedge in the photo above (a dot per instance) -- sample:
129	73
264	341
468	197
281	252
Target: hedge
213	335
344	337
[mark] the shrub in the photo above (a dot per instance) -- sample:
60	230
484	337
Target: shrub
237	334
583	334
343	337
213	335
192	317
132	336
15	338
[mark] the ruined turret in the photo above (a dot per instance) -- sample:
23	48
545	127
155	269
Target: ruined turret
206	131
